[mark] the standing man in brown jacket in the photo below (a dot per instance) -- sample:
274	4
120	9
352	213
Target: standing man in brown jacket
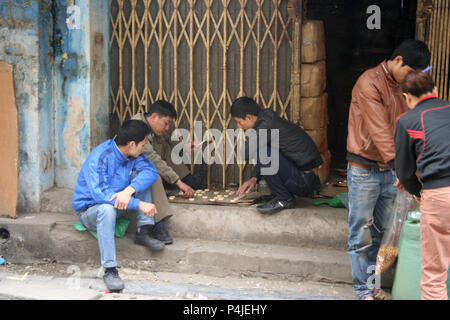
376	103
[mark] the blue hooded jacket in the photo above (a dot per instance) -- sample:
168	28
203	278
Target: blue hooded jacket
107	171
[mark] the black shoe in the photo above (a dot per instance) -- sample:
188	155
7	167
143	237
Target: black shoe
265	198
162	235
112	280
149	242
276	205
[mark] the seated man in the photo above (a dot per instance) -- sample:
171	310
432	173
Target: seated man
116	177
158	149
297	154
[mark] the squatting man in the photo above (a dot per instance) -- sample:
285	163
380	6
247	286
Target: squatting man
283	154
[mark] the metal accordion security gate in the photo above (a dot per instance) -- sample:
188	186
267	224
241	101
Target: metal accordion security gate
201	55
433	27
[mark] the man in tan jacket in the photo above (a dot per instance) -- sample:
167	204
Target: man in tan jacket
158	149
376	103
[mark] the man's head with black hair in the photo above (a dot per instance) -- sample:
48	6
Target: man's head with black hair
415	54
162	108
160	116
409	55
244	111
131	137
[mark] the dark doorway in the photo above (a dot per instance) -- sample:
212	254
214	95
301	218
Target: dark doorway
352	48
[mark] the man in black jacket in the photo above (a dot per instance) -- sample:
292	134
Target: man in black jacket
298	156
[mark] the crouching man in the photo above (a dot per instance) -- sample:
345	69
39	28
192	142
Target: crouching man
298	156
116	177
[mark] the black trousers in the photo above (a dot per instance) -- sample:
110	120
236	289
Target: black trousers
290	181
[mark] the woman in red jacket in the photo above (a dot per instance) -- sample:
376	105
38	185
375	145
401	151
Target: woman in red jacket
422	143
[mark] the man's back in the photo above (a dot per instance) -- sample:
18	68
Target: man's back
425	129
293	142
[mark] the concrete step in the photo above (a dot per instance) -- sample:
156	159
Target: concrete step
51	236
304	226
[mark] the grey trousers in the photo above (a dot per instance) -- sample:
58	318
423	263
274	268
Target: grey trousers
160	200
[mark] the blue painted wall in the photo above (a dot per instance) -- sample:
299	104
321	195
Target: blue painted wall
19	46
81	84
72	92
62	87
45	104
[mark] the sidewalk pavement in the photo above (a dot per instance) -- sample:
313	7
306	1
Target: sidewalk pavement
83	282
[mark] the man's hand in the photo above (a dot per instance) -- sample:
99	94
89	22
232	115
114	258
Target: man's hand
123	198
247	186
149	209
399	185
188	192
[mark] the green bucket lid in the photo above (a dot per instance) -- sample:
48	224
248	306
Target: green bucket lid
411	227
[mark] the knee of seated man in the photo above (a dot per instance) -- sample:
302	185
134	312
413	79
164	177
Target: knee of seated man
107	211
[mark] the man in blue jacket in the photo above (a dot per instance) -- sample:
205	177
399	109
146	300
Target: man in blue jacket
117	177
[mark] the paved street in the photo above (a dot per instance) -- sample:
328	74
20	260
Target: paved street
84	282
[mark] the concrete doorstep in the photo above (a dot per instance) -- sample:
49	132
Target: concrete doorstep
305	243
51	236
306	225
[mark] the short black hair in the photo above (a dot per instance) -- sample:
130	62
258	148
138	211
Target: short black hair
243	106
162	108
131	130
415	54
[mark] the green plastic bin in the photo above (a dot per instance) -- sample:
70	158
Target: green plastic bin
407	276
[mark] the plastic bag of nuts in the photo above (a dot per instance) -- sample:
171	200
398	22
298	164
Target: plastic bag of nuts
387	254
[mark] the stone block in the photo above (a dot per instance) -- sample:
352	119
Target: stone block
313	41
313	112
313	79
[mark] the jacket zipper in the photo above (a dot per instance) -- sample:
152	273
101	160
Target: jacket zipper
368	144
395	104
390	89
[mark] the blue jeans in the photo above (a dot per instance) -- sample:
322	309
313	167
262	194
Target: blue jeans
371	201
102	218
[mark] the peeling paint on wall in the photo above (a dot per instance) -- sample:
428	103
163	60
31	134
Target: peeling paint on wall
18	14
61	76
71	91
19	46
75	122
46	112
